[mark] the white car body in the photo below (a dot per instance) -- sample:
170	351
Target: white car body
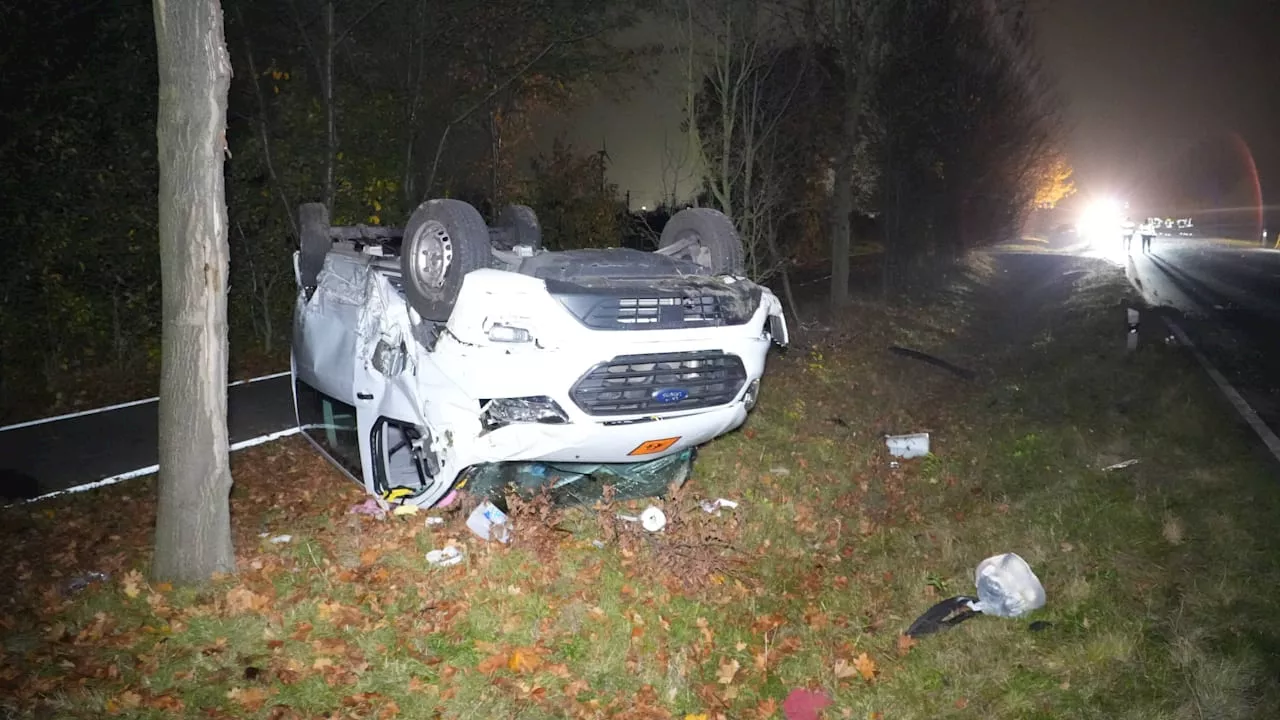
364	361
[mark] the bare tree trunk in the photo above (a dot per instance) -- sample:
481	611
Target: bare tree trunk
331	121
263	135
193	517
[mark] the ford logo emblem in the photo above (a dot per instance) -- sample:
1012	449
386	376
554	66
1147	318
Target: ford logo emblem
670	395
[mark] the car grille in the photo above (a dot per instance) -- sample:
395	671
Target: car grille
660	383
657	312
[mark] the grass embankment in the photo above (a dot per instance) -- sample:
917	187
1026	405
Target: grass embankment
1159	577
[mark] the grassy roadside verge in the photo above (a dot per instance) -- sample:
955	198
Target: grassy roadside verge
1158	576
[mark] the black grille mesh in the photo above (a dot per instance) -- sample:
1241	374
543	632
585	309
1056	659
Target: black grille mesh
628	384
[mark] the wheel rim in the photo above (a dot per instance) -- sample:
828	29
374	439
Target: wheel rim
432	254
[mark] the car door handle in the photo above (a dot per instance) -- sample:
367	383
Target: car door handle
364	396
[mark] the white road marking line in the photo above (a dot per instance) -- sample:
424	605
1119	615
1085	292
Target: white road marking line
121	406
1237	401
251	442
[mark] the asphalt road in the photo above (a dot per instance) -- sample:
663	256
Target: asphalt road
1228	300
89	447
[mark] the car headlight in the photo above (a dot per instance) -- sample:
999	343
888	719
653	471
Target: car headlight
507	411
509	334
752	394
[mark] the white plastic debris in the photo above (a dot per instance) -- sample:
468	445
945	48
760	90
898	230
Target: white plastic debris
488	522
713	506
779	471
1121	465
652	519
1007	587
434	520
277	540
908	446
444	557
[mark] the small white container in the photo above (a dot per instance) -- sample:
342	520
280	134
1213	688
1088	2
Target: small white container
908	446
488	522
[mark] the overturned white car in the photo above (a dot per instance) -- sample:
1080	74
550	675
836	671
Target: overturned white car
427	355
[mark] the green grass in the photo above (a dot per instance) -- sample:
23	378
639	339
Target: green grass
1159	577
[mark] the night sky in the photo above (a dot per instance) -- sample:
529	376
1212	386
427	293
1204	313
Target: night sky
1144	81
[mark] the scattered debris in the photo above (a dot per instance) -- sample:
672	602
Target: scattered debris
1131	340
280	539
373	507
932	360
908	446
1006	588
405	509
804	704
713	506
894	464
435	520
444	557
489	523
80	582
779	471
942	616
1121	465
838	421
651	519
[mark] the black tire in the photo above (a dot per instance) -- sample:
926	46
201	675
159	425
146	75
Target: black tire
523	223
443	241
717	246
313	241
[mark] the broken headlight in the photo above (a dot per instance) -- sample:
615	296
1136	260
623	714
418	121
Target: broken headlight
752	394
535	409
509	334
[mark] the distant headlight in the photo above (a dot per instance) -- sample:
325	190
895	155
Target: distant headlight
536	409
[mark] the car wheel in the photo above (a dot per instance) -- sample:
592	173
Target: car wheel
313	241
706	237
522	222
443	241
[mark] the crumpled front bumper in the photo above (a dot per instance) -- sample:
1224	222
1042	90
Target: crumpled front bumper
509	338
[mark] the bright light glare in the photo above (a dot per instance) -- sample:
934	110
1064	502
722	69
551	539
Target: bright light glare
1101	220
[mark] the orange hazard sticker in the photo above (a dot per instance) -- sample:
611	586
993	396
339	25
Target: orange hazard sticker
649	447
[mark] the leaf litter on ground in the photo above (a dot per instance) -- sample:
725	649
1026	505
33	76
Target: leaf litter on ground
808	587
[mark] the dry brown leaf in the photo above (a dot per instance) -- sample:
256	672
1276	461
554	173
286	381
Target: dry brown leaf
241	599
492	663
127	700
727	672
767	708
844	670
524	660
321	663
962	703
132	583
866	667
249	698
905	643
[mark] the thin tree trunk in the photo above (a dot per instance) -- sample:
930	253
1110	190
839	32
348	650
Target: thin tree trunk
193	519
331	121
263	135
